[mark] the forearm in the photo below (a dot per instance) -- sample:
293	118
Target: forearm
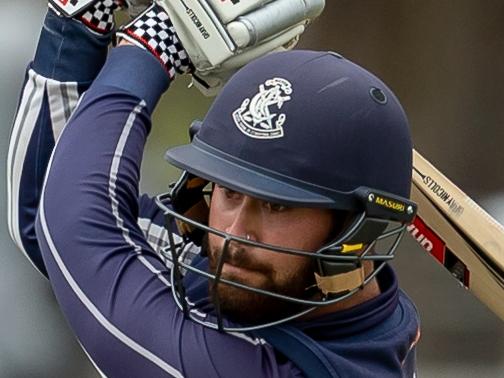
67	60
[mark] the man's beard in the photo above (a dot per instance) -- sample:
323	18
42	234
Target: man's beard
246	307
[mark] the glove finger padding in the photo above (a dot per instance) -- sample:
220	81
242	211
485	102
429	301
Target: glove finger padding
221	36
210	82
153	30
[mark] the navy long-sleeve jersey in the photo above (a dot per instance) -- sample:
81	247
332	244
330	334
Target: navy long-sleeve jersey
75	211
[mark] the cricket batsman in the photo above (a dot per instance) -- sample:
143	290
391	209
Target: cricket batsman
268	257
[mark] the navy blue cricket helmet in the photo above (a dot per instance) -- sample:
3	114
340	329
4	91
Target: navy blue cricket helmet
309	129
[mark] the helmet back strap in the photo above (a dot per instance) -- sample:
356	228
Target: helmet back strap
188	199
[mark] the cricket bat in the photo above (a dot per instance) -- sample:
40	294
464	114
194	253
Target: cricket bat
458	233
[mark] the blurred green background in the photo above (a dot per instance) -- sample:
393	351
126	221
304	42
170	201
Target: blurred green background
445	61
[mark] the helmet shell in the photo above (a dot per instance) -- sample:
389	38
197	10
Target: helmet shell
303	128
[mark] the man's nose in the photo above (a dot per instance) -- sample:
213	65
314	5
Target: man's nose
245	220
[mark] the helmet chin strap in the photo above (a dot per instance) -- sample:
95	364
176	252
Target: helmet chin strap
341	282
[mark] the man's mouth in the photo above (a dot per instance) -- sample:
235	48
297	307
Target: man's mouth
237	269
238	264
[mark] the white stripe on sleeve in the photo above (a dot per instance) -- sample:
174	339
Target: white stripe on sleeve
24	125
62	98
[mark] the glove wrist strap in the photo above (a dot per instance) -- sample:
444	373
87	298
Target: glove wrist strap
153	31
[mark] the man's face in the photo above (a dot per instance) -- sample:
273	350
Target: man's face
250	218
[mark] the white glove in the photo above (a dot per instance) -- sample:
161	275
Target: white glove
221	36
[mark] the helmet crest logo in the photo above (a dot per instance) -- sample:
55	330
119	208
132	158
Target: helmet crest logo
257	117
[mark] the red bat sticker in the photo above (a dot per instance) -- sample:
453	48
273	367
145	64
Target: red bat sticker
433	244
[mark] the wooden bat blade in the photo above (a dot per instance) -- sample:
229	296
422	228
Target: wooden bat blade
452	228
474	222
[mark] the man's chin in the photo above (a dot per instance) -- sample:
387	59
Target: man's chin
246	307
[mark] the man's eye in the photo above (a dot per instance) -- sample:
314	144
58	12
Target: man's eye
229	193
275	207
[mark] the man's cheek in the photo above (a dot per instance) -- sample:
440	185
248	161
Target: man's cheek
213	245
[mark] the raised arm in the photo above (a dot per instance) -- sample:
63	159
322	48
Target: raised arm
68	58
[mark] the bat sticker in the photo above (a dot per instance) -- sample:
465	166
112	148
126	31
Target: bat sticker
434	244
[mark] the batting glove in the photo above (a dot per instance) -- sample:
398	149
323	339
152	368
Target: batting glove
98	16
153	31
221	36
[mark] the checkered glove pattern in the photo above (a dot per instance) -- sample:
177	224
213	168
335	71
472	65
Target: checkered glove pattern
100	16
152	30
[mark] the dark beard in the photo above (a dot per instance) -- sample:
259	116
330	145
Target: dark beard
246	307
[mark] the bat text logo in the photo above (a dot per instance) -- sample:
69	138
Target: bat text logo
196	21
441	192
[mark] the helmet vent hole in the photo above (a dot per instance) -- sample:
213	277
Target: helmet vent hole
378	95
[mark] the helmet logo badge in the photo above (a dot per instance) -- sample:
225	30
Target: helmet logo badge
258	117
